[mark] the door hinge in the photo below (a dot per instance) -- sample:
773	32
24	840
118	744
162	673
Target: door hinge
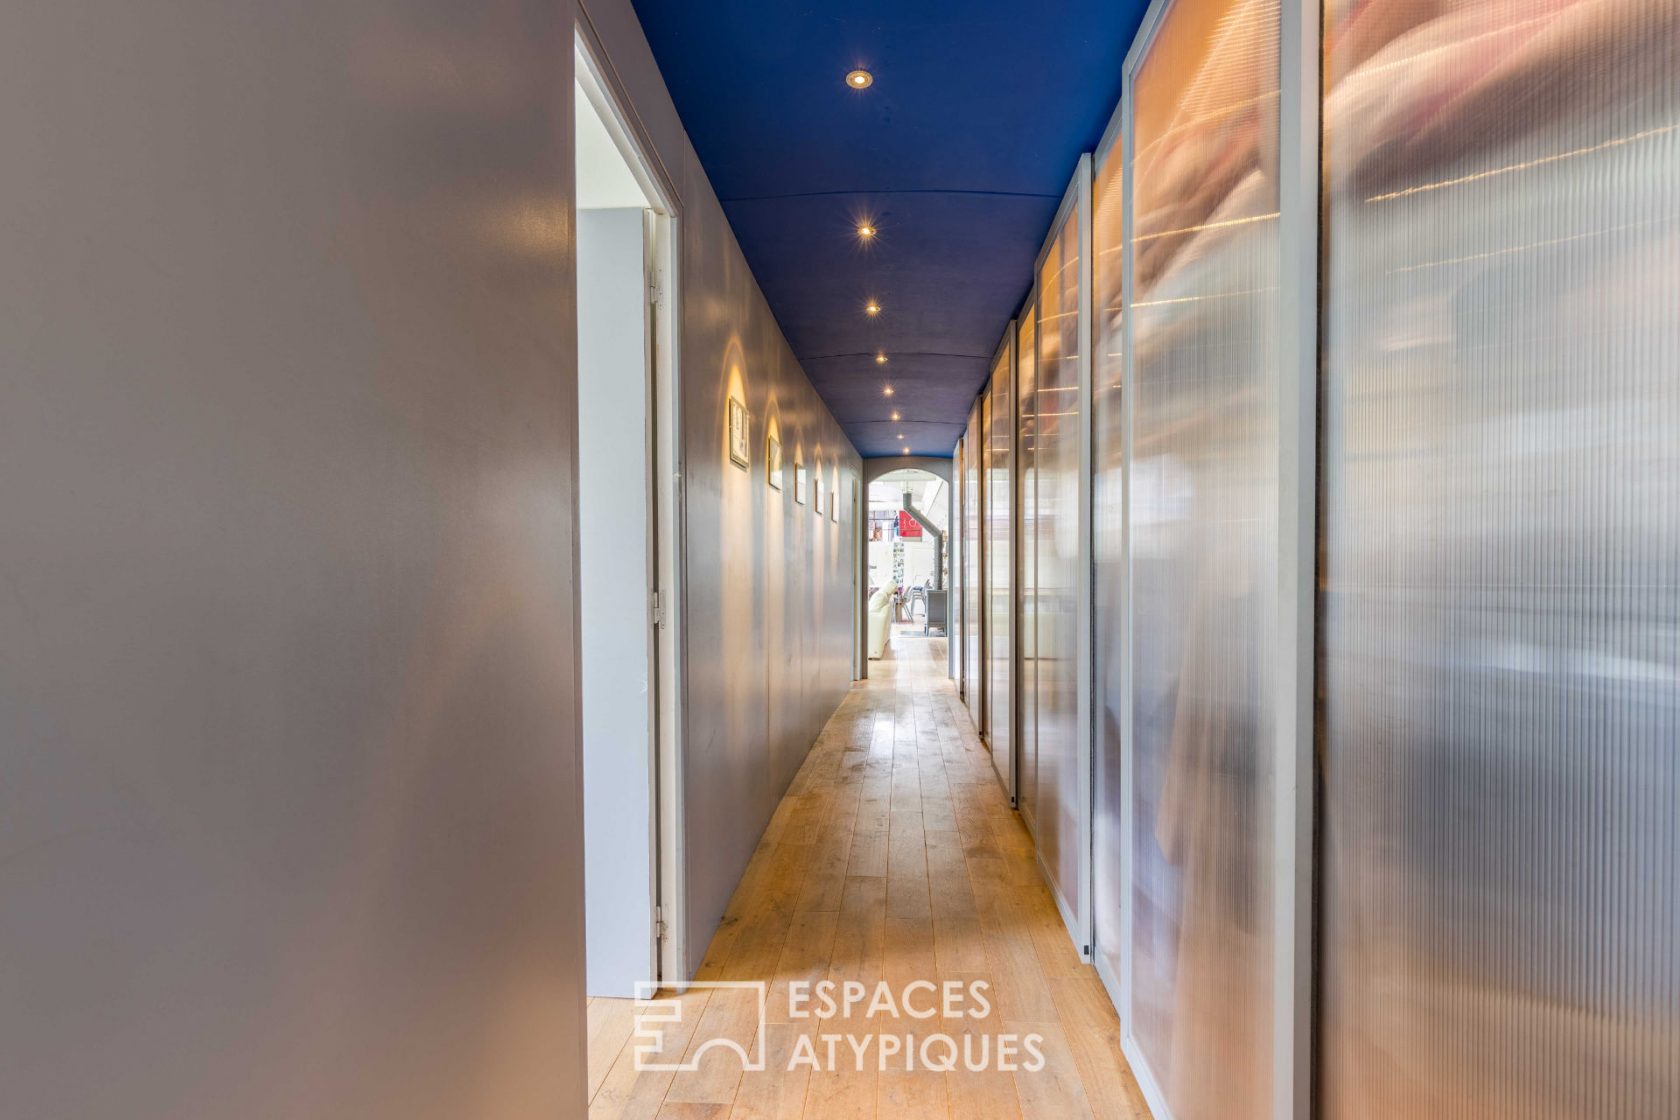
658	609
656	288
659	922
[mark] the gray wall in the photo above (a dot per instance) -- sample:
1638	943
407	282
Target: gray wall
769	585
289	814
290	819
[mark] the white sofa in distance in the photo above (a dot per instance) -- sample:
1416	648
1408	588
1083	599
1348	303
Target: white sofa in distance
880	620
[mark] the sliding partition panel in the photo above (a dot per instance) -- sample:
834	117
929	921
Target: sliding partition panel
1501	607
1108	563
973	573
984	405
1000	594
1061	789
957	585
1202	527
1026	581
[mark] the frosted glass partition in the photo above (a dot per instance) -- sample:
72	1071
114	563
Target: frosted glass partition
1059	814
1107	558
1500	623
1000	601
973	669
1203	533
1026	535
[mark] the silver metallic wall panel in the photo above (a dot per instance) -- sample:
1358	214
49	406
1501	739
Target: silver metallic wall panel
1059	810
1108	560
290	798
1000	592
973	570
1501	606
1026	582
769	591
769	608
1203	510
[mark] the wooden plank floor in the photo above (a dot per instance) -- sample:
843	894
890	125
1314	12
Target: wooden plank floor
894	857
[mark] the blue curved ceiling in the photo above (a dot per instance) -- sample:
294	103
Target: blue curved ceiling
958	154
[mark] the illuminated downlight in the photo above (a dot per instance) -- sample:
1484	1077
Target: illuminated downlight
886	391
871	308
880	359
866	231
895	415
860	79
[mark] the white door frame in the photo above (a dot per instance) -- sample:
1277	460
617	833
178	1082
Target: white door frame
595	76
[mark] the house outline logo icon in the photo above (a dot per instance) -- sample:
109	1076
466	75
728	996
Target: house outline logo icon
654	1015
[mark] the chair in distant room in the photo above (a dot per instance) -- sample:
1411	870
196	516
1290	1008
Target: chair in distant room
933	618
917	595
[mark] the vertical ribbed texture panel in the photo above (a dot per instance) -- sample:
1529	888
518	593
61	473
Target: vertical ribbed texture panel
958	557
1500	624
1026	404
973	597
1204	539
1000	523
1107	557
1056	420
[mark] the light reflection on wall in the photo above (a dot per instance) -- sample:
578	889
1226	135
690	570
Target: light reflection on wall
738	515
774	594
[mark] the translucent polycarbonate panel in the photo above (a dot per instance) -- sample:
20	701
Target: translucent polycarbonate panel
1026	583
1108	569
983	407
973	585
1000	601
1203	537
1500	621
1059	812
957	585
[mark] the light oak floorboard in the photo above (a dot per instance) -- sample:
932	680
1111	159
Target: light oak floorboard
893	858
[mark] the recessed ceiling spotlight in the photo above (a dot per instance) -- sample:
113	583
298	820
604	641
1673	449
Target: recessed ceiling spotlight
860	79
895	414
887	391
866	231
881	359
871	308
900	435
907	451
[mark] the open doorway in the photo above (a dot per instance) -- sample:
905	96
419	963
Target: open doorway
907	560
629	543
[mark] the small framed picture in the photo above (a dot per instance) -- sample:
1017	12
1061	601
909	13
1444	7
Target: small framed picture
833	506
739	449
773	462
799	476
817	495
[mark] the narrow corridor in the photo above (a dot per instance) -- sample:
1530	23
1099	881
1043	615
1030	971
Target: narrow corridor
893	858
457	458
